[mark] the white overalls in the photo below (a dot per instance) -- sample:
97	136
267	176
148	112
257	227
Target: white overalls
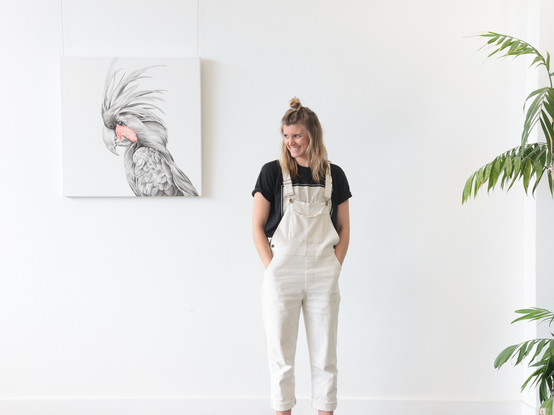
303	274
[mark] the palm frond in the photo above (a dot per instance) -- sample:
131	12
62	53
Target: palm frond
534	314
523	162
542	107
512	46
523	350
505	46
540	355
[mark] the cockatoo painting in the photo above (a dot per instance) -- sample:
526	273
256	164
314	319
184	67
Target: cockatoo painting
130	121
147	112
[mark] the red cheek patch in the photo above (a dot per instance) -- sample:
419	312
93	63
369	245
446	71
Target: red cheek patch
122	130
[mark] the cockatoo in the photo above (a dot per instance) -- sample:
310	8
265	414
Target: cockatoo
129	121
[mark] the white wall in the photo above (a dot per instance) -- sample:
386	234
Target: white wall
113	300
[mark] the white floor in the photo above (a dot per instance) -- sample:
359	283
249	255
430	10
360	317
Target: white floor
254	406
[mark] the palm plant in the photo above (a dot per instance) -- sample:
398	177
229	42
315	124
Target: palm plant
527	161
542	359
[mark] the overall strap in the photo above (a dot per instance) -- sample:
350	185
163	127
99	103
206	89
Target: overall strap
328	183
287	183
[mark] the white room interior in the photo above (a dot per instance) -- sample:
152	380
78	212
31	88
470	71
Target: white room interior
147	306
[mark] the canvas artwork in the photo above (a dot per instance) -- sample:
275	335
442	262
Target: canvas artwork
131	127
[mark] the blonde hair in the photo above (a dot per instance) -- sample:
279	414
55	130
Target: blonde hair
316	151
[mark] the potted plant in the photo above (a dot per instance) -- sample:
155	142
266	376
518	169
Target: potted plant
530	162
542	358
526	161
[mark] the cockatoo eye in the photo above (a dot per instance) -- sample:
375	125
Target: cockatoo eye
122	123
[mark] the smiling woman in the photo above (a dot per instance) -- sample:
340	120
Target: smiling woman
296	139
301	229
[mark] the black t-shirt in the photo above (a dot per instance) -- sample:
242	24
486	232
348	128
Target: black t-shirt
270	185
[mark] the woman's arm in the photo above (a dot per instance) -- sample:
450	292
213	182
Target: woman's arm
260	213
343	229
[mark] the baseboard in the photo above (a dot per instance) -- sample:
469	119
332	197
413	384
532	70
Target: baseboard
254	406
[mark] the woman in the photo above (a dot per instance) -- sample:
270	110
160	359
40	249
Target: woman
301	204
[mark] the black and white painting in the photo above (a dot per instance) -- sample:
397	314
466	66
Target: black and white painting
131	126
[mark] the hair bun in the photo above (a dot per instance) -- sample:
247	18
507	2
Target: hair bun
295	104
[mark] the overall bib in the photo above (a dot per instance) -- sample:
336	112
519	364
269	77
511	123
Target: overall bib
303	274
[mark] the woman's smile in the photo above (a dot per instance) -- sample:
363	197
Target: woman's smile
297	141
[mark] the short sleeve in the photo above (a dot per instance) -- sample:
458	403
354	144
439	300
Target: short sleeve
340	183
266	181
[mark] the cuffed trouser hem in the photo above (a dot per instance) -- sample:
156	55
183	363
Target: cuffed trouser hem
323	406
279	406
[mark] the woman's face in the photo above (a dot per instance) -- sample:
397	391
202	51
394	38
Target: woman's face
296	139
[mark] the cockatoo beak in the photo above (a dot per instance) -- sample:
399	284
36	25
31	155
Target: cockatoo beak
110	139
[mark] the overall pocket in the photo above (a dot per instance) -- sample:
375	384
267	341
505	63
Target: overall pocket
337	262
308	222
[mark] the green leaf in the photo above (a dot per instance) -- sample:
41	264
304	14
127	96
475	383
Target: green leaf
524	351
506	43
467	189
540	346
530	313
536	374
505	355
526	175
535	106
545	130
513	46
543	391
494	173
517	165
542	157
508	167
532	94
549	370
536	60
532	117
533	314
548	130
549	107
539	175
486	173
529	161
516	47
478	181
